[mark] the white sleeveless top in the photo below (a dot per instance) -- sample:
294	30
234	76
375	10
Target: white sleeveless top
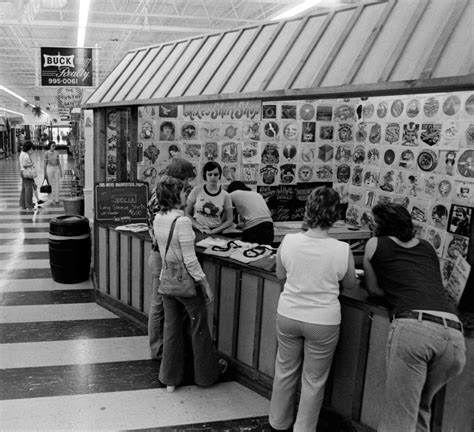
314	267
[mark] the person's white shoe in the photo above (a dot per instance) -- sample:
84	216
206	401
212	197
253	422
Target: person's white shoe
170	389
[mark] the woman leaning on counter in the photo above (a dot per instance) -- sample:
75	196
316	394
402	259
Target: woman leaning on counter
425	347
313	267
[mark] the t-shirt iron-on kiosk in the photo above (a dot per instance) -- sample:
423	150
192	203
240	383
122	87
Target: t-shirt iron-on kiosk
376	99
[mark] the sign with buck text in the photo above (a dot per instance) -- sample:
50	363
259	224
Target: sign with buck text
66	67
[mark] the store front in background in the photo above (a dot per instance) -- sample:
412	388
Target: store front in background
285	106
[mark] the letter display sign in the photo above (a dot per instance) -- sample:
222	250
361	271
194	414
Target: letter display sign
66	67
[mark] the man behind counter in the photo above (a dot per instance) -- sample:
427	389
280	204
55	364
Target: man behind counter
254	213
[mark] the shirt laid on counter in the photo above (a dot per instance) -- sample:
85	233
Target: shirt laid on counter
182	243
314	267
252	208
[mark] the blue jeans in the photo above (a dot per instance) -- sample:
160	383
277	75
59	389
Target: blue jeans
205	360
422	356
156	316
298	340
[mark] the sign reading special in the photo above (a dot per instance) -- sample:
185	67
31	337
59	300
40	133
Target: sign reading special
66	67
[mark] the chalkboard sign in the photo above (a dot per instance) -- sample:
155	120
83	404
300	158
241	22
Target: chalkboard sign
121	202
287	202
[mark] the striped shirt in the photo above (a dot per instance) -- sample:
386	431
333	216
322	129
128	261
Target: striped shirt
182	243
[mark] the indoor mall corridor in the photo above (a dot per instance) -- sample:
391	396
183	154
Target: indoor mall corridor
67	363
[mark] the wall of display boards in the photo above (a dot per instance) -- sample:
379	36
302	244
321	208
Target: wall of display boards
417	150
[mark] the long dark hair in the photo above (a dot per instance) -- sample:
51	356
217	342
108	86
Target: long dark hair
393	220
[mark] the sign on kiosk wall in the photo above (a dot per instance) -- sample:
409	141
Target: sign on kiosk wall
66	67
121	202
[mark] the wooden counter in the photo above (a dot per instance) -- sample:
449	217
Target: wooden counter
242	320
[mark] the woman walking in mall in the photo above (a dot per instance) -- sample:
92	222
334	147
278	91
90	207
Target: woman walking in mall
312	265
53	170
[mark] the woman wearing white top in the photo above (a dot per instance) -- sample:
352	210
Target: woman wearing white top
53	170
312	265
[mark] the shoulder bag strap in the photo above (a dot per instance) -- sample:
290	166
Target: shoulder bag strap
170	235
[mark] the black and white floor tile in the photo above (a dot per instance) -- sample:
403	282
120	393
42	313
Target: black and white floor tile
67	364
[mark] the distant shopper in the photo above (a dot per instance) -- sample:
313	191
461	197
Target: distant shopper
426	346
171	197
312	266
183	170
53	170
209	206
254	214
28	185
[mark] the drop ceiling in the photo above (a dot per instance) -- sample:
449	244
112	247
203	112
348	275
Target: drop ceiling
114	27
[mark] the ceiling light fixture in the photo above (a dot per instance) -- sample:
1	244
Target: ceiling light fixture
12	93
297	9
82	23
10	111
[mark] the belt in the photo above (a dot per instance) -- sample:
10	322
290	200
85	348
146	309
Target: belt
428	317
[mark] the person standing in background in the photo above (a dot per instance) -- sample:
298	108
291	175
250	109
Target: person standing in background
183	170
53	170
425	347
28	185
313	267
254	214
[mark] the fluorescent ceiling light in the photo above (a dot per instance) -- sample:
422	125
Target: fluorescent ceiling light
297	9
10	111
12	93
82	23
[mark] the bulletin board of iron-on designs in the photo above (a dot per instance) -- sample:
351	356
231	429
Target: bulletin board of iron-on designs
417	150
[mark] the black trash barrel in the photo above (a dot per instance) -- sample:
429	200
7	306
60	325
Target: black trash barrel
70	248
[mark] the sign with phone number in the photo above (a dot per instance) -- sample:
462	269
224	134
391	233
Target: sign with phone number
71	67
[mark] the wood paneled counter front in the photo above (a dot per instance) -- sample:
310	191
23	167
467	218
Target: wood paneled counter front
242	320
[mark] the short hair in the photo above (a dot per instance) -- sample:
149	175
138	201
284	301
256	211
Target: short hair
211	166
393	220
181	169
321	207
237	185
166	124
52	143
27	146
168	192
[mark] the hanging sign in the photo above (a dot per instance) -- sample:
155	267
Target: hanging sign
239	110
66	67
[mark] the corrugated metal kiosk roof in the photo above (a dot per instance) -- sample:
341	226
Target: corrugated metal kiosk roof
399	46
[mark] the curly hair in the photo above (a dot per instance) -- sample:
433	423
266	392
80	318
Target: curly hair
168	192
211	166
393	220
321	207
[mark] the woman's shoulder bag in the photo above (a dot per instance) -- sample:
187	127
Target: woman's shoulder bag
175	279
